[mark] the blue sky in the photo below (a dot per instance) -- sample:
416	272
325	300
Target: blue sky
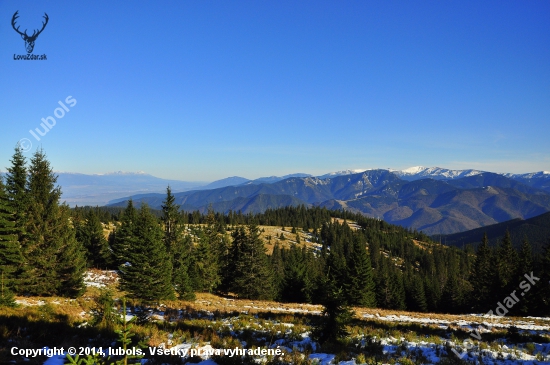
201	90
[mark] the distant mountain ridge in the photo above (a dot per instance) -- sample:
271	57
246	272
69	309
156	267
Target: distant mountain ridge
437	173
535	229
99	189
435	200
433	206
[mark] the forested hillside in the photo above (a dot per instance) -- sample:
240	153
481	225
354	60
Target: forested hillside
375	263
536	230
45	248
433	206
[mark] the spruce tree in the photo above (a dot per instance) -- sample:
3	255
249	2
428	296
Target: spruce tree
297	286
482	277
179	247
16	190
181	261
543	289
359	286
525	266
72	261
10	252
53	259
147	274
506	266
336	316
90	234
278	265
252	276
124	236
418	295
170	217
390	292
205	262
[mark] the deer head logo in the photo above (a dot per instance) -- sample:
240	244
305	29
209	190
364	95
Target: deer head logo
29	40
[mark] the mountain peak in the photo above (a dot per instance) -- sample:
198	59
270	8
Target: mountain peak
125	173
414	170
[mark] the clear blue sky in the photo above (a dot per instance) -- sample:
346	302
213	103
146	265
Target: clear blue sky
201	90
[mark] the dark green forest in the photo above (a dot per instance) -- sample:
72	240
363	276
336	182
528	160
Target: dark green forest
45	247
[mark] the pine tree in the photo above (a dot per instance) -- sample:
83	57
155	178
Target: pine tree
482	277
543	289
148	272
179	247
506	265
90	234
390	292
252	276
297	286
10	252
418	295
359	285
16	189
278	265
72	261
205	262
54	260
181	261
124	237
336	316
525	266
170	218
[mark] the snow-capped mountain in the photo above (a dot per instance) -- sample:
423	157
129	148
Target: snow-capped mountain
342	173
436	173
529	175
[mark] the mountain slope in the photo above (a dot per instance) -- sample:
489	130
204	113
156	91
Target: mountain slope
433	206
535	229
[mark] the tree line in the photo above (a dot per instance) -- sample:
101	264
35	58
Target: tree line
166	254
374	264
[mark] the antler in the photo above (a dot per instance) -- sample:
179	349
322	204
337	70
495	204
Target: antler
34	34
43	25
13	19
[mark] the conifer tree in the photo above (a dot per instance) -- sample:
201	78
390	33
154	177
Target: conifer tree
543	289
205	263
359	285
54	260
181	261
16	190
72	260
170	219
10	252
252	277
506	266
147	275
179	247
124	236
336	316
482	277
278	266
297	286
525	266
90	234
418	295
390	291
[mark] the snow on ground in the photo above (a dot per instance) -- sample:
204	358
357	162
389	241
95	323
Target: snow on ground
292	337
100	278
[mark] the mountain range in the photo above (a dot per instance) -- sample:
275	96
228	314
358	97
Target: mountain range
434	200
